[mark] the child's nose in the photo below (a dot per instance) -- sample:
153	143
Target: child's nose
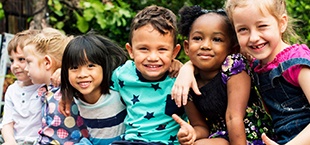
153	57
206	45
254	36
14	65
83	73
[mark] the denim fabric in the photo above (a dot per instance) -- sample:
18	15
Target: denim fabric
287	104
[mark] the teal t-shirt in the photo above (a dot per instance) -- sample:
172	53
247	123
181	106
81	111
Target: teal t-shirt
149	106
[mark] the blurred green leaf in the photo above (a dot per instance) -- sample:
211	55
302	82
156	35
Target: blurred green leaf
59	25
88	14
1	12
81	23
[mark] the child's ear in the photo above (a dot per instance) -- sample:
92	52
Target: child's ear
186	47
283	23
176	50
47	62
129	50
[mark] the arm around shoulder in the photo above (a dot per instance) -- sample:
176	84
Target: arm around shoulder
184	81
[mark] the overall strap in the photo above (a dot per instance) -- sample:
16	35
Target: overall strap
283	66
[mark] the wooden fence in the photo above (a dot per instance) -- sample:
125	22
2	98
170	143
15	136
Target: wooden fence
16	14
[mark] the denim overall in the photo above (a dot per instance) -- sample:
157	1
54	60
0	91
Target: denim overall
286	103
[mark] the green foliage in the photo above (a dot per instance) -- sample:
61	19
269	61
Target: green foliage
1	12
300	10
110	19
113	17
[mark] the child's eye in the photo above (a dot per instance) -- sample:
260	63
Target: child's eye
21	59
241	29
73	68
91	65
163	49
262	26
217	39
197	38
143	48
11	60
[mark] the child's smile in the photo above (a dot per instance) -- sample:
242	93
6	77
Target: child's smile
152	51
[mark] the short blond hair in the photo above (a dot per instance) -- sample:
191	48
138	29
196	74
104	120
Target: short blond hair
19	39
51	42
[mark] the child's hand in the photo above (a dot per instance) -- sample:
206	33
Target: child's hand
183	83
186	134
55	78
64	107
174	68
267	140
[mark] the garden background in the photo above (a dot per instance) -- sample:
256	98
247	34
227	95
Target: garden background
110	17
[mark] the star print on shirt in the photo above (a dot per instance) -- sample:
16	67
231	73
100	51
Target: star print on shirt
161	127
135	99
156	86
139	134
112	83
133	126
173	138
149	115
121	83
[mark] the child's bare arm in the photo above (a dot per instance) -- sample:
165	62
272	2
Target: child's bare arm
303	80
8	134
238	92
64	106
184	81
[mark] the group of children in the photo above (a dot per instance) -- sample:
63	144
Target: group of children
106	99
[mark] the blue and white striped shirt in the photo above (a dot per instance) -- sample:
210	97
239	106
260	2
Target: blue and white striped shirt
104	119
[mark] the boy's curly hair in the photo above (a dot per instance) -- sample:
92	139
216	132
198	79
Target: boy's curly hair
162	19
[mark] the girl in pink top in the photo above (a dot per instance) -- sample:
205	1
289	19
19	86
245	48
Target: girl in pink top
282	70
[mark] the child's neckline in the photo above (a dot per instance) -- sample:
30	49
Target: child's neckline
142	79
